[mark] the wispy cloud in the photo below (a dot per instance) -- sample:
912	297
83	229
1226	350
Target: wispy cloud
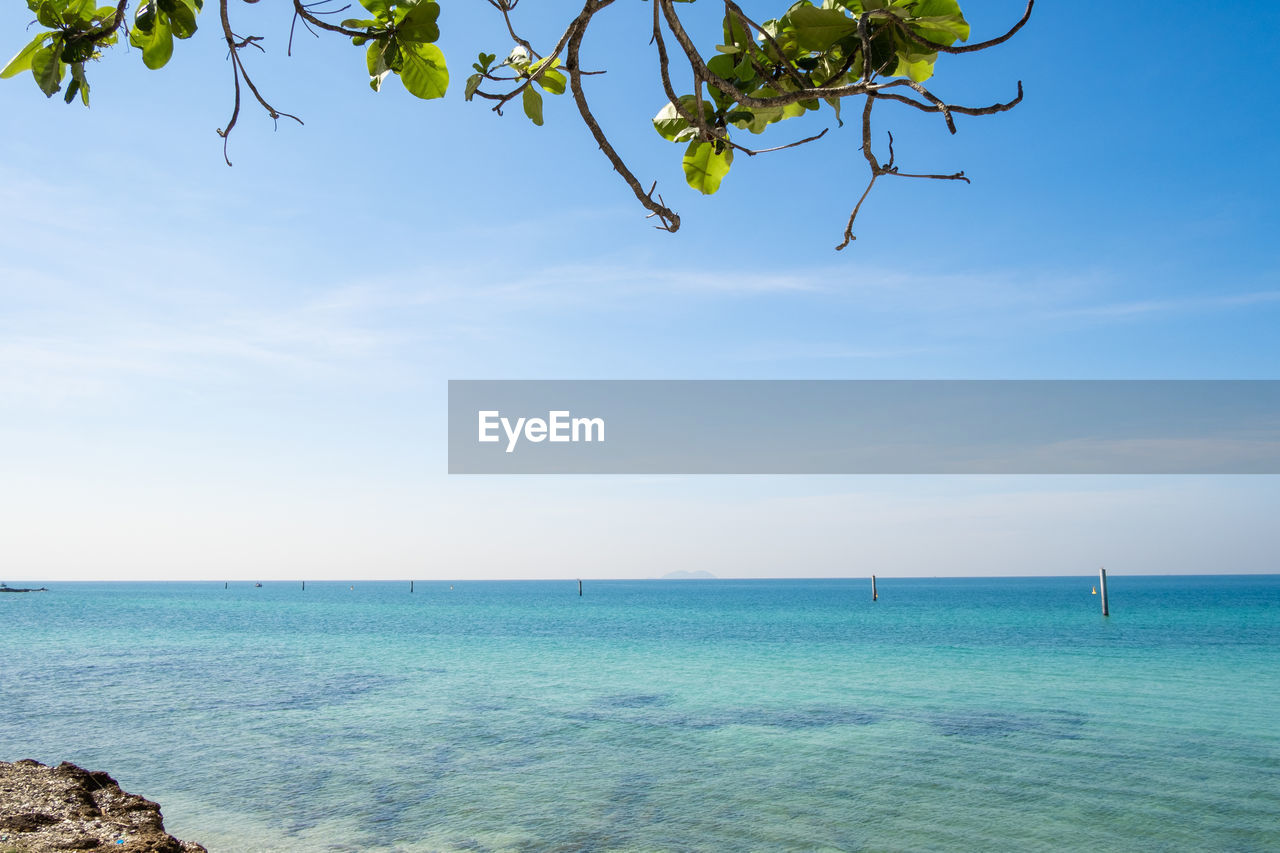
1137	308
789	351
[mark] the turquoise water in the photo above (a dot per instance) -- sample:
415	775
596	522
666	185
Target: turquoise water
952	714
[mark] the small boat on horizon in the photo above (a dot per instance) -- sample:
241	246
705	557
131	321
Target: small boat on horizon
6	588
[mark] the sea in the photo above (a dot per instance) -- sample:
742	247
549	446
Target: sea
694	715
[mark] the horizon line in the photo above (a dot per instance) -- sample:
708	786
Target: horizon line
574	579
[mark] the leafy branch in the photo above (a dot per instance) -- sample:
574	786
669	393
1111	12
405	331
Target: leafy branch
761	74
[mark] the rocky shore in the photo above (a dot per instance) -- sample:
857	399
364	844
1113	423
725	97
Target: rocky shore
66	808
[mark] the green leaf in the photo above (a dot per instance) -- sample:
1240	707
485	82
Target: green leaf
77	51
157	45
704	167
78	10
764	116
376	64
743	71
723	65
183	20
419	23
669	123
379	8
47	68
392	55
723	100
551	80
946	33
48	14
77	74
918	71
532	105
940	21
144	20
914	61
423	70
22	59
152	32
818	29
735	34
835	105
473	84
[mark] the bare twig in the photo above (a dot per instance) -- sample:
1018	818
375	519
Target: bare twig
234	44
968	48
117	21
669	218
750	152
694	118
946	109
546	62
303	11
505	8
848	229
292	24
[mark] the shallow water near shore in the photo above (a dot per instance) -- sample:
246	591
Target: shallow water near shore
952	714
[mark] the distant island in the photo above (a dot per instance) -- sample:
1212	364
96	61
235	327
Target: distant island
686	576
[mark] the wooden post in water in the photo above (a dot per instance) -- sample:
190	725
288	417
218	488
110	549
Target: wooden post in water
579	587
875	596
1102	585
410	586
226	584
304	586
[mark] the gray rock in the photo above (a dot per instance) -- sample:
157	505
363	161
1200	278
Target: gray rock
64	808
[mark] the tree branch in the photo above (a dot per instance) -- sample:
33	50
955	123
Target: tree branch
669	218
234	44
700	71
303	11
505	8
751	152
749	24
969	48
946	109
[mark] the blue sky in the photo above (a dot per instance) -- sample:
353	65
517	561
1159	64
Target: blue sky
209	372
